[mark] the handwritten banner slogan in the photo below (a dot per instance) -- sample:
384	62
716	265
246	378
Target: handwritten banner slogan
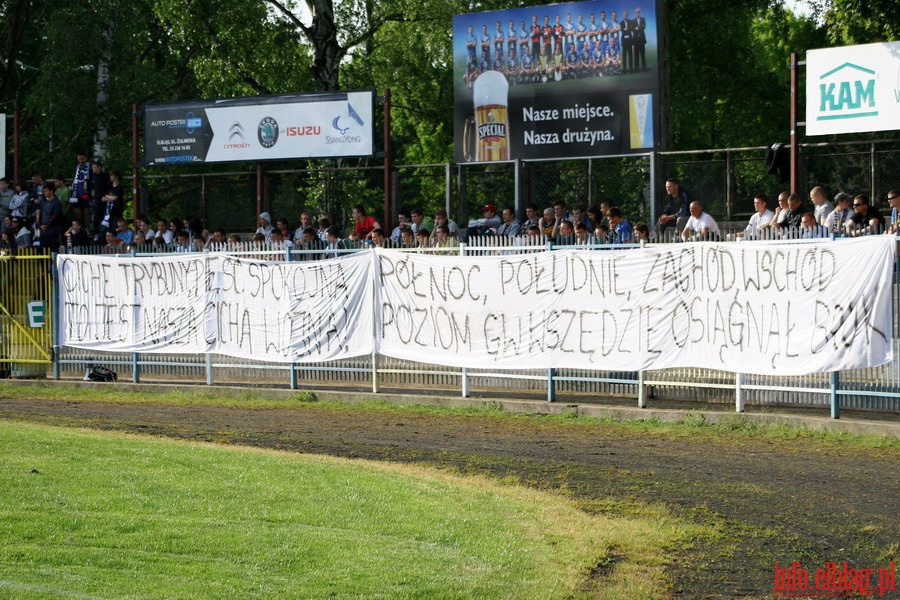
762	308
274	311
765	308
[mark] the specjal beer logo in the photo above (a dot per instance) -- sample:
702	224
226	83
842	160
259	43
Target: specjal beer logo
267	132
847	92
492	128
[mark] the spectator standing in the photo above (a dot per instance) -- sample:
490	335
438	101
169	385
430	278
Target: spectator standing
50	219
6	196
99	207
18	205
113	201
82	185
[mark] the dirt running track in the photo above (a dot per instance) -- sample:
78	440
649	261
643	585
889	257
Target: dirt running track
784	501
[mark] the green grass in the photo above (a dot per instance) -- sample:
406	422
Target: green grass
90	514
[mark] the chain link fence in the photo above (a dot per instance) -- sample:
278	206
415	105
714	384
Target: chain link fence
724	180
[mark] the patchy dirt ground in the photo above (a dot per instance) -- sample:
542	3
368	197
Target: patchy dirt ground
773	501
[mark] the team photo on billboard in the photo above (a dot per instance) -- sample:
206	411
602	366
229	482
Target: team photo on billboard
561	80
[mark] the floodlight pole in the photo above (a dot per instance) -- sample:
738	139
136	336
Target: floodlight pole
17	147
795	179
388	180
135	170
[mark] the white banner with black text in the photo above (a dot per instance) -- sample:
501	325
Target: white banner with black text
195	303
751	307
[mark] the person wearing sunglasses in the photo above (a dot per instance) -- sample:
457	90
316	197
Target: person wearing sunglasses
893	198
866	219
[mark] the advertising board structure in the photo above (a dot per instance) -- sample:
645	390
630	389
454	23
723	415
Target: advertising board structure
853	89
561	80
332	125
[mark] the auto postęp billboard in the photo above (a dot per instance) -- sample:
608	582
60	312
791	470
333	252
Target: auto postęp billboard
562	80
853	89
260	128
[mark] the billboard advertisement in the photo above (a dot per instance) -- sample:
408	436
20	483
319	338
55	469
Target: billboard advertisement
553	81
260	128
853	89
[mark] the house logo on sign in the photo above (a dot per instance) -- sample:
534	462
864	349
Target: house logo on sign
847	92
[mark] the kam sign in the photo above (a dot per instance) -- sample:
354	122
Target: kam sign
853	89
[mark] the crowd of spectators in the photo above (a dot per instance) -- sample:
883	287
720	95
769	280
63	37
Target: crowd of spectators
87	216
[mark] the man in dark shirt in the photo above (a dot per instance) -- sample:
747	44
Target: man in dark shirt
50	219
866	219
789	220
676	210
99	189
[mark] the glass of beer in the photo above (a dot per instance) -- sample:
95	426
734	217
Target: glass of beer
491	125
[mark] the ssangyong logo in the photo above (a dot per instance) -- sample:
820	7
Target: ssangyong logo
343	124
847	92
267	132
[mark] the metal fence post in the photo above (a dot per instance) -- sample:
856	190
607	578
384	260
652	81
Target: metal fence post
738	392
209	374
642	390
551	385
835	397
54	303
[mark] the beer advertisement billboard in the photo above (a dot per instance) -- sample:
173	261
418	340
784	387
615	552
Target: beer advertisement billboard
554	81
260	128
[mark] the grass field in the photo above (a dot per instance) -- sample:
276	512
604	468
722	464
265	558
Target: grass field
90	515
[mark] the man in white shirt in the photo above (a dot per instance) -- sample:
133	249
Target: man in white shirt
837	219
700	226
762	216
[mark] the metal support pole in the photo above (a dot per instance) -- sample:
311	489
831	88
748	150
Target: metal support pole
294	382
519	201
209	374
835	397
135	162
795	150
54	302
448	181
388	211
135	367
738	392
642	391
551	385
465	382
374	372
652	187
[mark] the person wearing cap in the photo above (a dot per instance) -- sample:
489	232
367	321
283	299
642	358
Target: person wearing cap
489	221
820	201
837	220
265	226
